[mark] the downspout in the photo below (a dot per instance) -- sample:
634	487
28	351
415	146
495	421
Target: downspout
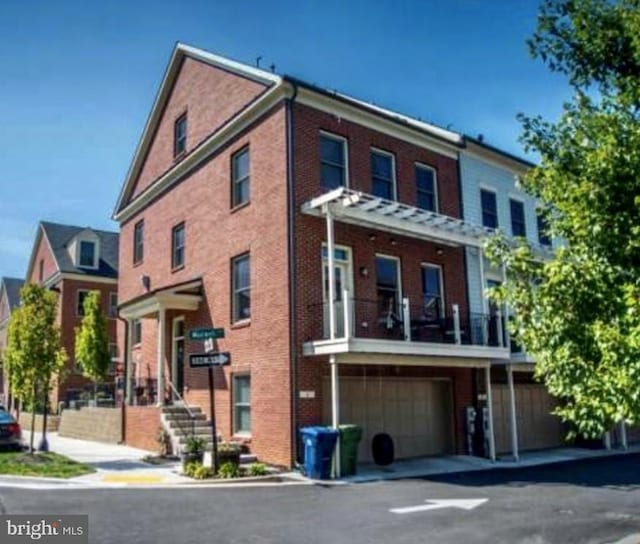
123	415
291	251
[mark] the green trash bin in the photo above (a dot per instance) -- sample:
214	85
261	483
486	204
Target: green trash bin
350	436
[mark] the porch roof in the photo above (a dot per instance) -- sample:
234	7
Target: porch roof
363	209
183	296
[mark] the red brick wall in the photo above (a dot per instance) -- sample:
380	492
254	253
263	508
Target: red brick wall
141	427
214	235
42	254
210	97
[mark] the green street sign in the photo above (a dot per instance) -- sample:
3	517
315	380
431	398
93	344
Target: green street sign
206	334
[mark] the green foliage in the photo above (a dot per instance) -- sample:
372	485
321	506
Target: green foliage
34	353
198	471
229	447
258	469
92	340
195	444
578	313
229	470
51	465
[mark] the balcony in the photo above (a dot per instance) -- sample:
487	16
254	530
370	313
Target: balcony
372	327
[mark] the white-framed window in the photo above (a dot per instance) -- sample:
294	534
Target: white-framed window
427	187
242	404
138	242
518	222
240	177
178	244
113	354
113	305
87	254
543	230
180	135
334	161
433	292
489	207
80	298
388	288
241	288
383	174
136	332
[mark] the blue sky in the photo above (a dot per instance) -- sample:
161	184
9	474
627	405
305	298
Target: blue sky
78	79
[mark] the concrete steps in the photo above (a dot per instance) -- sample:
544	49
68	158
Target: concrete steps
181	424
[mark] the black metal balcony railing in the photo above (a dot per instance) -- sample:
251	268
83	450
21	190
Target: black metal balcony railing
404	321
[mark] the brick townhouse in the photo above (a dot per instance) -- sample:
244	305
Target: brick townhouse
324	235
73	261
9	299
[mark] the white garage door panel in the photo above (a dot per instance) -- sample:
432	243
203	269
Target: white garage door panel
416	412
537	427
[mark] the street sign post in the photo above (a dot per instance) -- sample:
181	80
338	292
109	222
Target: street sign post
205	334
208	361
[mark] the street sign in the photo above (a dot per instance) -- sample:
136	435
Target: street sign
205	334
203	360
208	345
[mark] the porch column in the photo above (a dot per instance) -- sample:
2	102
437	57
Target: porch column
623	435
485	306
129	362
492	440
505	312
162	321
331	273
514	416
335	409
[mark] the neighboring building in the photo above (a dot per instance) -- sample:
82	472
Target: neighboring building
73	261
255	199
491	198
9	299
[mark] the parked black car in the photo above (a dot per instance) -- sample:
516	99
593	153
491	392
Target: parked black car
10	432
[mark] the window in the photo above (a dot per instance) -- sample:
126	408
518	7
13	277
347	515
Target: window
41	271
241	288
382	175
432	291
333	161
518	227
426	187
82	295
137	332
543	231
177	246
113	304
138	242
87	254
489	209
113	354
240	178
242	404
388	288
180	135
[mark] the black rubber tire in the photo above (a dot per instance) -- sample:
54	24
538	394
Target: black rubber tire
382	449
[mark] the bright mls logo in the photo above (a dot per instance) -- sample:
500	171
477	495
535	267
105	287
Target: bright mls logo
45	529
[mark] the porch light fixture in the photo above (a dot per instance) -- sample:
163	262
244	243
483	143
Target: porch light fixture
372	237
439	251
393	242
146	282
364	271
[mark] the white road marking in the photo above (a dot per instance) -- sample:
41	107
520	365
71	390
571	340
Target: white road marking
463	504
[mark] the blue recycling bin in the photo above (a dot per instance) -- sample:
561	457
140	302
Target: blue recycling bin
319	443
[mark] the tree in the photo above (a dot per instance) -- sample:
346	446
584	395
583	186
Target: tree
92	340
34	351
578	313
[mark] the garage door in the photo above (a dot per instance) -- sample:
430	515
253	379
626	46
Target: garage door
537	428
417	413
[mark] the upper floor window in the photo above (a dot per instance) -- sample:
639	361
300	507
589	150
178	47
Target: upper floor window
432	291
82	295
177	246
388	288
543	231
489	208
138	242
241	287
240	168
88	255
383	175
113	304
41	271
426	187
180	135
518	226
333	161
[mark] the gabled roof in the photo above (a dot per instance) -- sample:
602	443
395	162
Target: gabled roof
171	73
60	236
11	286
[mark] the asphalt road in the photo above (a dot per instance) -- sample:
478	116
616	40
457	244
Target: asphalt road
595	501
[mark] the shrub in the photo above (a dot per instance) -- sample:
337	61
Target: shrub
198	471
229	470
195	444
258	469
